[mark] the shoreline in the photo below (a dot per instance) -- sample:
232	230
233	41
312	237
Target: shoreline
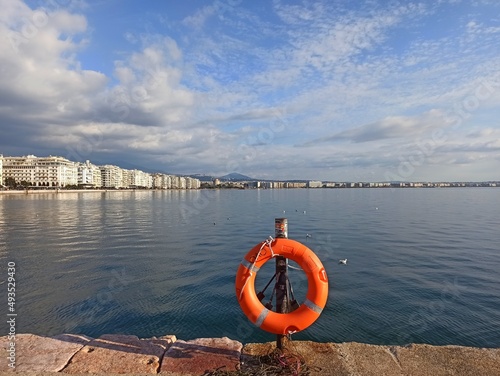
119	354
63	191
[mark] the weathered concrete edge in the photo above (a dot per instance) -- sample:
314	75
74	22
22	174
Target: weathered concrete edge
349	358
352	358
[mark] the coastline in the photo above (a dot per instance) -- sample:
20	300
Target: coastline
119	354
64	191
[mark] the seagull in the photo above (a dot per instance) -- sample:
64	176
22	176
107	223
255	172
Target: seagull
308	235
344	261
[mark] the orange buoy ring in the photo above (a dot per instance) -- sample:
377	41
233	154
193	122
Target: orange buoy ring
317	292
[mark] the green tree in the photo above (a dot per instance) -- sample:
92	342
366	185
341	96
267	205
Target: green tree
10	182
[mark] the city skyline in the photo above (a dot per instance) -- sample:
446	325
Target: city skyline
117	176
284	90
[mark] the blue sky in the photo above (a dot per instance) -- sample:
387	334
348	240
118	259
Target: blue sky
328	90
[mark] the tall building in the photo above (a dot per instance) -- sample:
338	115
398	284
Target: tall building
192	183
141	179
126	178
112	176
182	182
89	175
1	169
40	171
166	182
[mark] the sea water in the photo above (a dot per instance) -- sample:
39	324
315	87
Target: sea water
423	264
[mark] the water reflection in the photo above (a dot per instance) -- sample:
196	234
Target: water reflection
152	263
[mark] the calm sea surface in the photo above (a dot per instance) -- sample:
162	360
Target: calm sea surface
423	264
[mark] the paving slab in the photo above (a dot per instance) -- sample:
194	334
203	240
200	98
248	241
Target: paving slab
42	354
197	356
349	359
369	360
427	360
120	354
319	358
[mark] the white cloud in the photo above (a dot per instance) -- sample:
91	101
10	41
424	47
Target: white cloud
198	19
359	87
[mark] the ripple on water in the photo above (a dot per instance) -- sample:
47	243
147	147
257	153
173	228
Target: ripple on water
422	267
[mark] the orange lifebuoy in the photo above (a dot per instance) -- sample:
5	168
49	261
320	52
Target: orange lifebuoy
317	292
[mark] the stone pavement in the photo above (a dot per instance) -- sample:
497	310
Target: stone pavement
351	358
126	354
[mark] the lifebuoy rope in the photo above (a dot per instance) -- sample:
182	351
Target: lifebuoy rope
252	267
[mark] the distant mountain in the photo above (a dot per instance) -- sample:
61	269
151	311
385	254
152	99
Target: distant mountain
234	176
202	177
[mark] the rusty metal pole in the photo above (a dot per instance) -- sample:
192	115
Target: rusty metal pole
281	231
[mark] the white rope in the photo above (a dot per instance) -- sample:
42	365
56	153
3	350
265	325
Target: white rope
267	242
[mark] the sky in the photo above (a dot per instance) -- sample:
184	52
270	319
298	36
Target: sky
330	90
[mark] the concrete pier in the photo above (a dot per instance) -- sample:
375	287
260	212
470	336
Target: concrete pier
127	354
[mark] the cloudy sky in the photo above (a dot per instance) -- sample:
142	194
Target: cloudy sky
328	90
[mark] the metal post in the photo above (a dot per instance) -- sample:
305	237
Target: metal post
281	231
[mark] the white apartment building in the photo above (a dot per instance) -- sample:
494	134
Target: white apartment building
140	179
158	181
126	178
89	175
182	182
192	183
112	176
166	181
175	182
1	169
314	184
40	171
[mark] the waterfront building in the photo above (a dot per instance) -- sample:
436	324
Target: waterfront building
192	183
182	182
126	178
314	184
157	181
1	169
164	181
112	176
140	179
40	171
175	183
89	175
